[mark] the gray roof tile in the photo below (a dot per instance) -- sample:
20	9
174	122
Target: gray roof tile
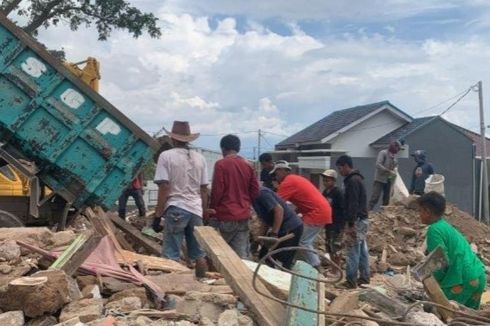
402	132
332	123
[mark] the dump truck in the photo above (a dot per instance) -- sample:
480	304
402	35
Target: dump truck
61	135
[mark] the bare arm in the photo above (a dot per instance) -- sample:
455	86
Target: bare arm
204	199
163	192
278	218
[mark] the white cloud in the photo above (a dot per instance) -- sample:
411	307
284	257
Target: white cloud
225	79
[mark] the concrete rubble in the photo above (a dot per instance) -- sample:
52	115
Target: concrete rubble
33	295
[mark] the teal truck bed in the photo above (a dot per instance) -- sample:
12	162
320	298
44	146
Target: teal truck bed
84	149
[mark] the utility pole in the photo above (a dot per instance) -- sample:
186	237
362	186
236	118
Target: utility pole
484	172
259	139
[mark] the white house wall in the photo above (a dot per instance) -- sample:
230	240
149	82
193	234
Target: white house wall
357	139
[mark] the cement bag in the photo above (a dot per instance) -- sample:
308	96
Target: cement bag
399	192
435	182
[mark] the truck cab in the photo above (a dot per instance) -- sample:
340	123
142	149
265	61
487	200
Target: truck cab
11	183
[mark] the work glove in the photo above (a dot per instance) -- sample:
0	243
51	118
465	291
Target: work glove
156	225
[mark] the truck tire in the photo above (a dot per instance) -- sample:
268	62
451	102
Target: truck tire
8	220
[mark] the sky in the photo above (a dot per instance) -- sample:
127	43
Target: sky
240	66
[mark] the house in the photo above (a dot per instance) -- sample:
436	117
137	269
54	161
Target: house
362	131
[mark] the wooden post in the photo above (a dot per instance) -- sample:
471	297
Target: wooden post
266	311
136	235
306	293
77	252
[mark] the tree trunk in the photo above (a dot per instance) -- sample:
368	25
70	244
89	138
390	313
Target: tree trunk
10	6
44	15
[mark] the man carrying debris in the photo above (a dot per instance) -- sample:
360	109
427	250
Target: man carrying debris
181	176
465	279
267	165
135	190
281	220
420	173
384	174
234	187
356	217
333	232
310	203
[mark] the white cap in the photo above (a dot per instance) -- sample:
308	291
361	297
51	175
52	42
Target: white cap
280	165
330	173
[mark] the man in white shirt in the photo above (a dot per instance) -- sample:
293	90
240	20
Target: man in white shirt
181	176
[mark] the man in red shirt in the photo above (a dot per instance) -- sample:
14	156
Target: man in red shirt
135	190
310	203
234	187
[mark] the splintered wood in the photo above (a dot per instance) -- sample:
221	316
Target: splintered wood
266	311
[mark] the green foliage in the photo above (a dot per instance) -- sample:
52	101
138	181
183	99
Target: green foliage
105	15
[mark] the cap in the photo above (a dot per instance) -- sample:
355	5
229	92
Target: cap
330	173
419	152
280	165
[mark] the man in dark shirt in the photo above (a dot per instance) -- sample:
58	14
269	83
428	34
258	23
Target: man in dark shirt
267	165
234	187
420	173
356	217
333	232
281	220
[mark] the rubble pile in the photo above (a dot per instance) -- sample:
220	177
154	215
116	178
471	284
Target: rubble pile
33	294
397	231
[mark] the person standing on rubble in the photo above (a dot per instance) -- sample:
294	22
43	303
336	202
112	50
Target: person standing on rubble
356	217
135	190
420	173
233	189
309	201
465	278
182	179
281	220
384	175
333	232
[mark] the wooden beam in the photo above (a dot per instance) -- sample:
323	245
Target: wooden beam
136	235
305	293
266	311
77	252
390	306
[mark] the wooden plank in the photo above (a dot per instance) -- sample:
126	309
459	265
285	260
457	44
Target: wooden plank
150	262
435	294
136	235
77	252
390	306
266	311
306	293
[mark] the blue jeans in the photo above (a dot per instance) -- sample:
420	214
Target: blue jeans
310	232
236	234
357	253
178	224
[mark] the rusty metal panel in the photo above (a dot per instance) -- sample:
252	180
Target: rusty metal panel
84	147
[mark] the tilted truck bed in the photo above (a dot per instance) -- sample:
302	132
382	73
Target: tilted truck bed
85	149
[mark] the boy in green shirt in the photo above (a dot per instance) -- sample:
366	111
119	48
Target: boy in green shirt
465	279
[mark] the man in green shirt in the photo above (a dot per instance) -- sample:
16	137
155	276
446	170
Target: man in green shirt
464	280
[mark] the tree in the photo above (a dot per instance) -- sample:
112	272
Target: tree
105	15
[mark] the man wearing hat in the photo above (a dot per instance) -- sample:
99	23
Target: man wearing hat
181	176
333	232
385	173
420	173
310	203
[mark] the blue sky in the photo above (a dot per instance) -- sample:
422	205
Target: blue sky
237	66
